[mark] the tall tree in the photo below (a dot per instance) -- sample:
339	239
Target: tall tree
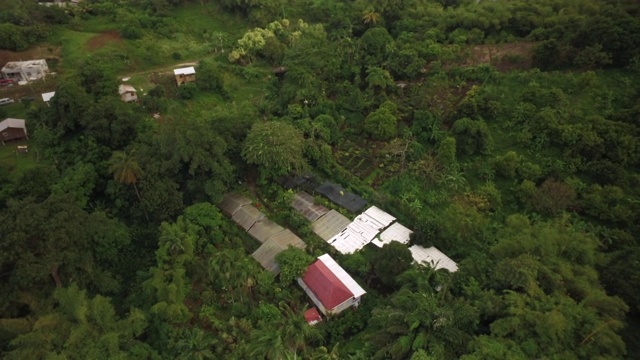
276	147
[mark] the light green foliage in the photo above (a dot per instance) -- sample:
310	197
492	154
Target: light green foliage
382	123
553	292
80	327
79	181
293	263
276	147
447	151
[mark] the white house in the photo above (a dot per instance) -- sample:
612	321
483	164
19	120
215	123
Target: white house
330	288
127	93
25	70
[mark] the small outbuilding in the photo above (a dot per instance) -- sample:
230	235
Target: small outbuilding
342	197
13	129
46	97
312	316
127	93
263	229
395	232
329	286
185	75
433	258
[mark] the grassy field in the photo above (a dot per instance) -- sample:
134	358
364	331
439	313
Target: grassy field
16	163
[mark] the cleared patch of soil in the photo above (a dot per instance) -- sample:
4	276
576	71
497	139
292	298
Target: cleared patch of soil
505	57
46	52
102	39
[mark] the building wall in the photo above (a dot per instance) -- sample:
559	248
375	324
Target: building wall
183	79
129	96
12	134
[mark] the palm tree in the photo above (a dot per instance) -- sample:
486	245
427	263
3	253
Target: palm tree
125	170
370	17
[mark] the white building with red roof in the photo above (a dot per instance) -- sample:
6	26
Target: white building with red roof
330	287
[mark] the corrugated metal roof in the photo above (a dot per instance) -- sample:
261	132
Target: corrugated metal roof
266	253
330	224
361	231
326	285
286	238
303	202
232	202
312	316
380	216
433	257
12	123
264	229
266	256
47	96
395	232
246	216
346	279
125	88
185	71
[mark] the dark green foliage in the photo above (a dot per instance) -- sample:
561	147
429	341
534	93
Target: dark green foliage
472	136
187	91
392	260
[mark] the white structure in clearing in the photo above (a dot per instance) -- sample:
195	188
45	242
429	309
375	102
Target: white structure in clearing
25	70
127	93
364	228
433	257
46	97
395	232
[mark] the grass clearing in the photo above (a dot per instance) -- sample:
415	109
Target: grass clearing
17	163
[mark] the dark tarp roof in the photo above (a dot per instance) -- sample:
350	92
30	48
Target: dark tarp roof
340	196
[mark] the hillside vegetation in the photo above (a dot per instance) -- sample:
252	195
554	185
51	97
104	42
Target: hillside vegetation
505	133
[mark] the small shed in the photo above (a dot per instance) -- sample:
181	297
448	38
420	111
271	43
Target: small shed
13	129
330	224
266	253
46	97
127	93
246	216
312	316
303	202
395	232
185	75
263	229
432	257
340	196
232	202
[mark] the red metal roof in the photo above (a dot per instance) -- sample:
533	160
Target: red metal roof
326	285
312	315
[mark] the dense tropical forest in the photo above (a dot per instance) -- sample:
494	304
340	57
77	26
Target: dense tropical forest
504	132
